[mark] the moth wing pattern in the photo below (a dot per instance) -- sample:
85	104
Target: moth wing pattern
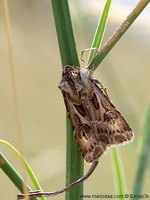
97	124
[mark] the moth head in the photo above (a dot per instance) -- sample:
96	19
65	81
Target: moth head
70	70
70	82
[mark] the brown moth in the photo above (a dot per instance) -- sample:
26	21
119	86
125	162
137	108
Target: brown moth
97	124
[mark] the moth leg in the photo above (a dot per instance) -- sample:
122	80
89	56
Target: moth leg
89	49
34	192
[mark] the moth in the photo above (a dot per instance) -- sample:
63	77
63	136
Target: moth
97	124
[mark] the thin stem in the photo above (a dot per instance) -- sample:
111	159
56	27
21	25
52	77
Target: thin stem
100	30
12	70
13	80
48	194
119	179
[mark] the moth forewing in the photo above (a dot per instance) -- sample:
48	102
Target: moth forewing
97	124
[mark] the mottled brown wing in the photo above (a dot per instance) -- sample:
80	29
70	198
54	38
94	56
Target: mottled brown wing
96	123
112	128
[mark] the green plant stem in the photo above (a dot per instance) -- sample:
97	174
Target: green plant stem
120	31
144	154
118	171
100	30
13	174
67	46
65	34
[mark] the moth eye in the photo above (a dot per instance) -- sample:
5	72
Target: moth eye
77	119
80	109
95	101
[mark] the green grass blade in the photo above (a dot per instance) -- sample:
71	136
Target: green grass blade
144	154
67	47
119	180
13	174
98	37
27	166
120	31
65	34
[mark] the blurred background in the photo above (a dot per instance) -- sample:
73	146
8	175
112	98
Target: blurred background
125	72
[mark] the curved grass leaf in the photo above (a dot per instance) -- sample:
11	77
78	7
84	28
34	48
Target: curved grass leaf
100	30
13	175
27	166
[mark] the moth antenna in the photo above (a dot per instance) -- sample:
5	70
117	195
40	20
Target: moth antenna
48	194
89	49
